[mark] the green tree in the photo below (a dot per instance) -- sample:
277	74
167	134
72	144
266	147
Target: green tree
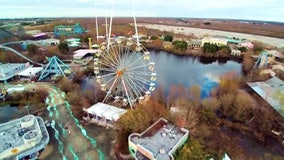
141	117
242	49
2	56
154	37
180	45
32	49
207	23
192	150
168	38
85	39
63	47
210	48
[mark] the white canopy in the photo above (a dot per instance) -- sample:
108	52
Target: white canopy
107	111
82	52
31	71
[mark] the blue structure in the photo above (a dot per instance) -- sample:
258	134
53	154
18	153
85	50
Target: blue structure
55	66
262	60
24	46
233	41
63	30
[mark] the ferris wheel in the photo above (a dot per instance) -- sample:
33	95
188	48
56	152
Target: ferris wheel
125	71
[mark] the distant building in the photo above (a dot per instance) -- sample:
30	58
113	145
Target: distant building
247	44
44	42
40	36
73	42
219	41
158	142
103	114
234	40
278	67
194	43
33	32
68	30
84	56
274	54
23	138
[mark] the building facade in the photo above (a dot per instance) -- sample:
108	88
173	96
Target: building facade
219	41
10	70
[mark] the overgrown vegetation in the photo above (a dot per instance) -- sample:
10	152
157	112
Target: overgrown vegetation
34	98
63	47
168	38
180	45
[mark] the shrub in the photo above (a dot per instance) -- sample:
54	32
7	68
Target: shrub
63	47
180	45
168	38
154	37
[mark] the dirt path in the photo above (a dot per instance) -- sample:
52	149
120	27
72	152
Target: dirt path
199	32
69	139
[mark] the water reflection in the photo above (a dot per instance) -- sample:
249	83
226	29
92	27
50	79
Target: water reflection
184	70
8	112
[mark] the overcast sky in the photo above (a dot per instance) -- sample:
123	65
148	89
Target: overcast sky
270	10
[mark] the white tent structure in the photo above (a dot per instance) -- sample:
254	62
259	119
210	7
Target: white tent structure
103	114
31	71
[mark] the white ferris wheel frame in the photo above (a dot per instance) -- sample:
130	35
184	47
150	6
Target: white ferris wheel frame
124	68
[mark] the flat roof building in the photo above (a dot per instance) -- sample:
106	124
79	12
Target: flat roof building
267	90
9	70
158	142
84	56
23	138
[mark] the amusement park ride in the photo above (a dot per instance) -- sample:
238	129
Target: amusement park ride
262	60
124	69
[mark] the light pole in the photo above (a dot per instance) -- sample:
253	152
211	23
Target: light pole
28	108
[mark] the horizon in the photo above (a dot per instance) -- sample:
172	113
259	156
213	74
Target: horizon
189	18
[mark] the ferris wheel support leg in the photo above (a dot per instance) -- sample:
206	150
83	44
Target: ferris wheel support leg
135	24
130	103
110	89
110	25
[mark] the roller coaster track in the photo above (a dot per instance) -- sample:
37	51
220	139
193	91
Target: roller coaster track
18	53
4	30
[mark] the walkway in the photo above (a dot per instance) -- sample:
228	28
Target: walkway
72	138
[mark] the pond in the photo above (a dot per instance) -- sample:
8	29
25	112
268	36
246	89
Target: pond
186	71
